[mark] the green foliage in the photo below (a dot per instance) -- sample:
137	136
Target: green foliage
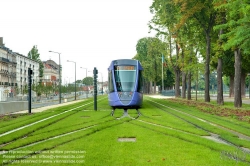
88	81
226	80
248	81
238	17
213	81
34	54
79	81
169	81
38	88
149	53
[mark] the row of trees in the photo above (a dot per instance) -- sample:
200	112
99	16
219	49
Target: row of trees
217	30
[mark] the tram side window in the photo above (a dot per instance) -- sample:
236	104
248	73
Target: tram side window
111	86
140	82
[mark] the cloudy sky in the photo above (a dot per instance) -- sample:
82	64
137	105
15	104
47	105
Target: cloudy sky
90	32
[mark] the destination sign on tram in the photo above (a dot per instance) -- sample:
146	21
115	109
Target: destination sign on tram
124	67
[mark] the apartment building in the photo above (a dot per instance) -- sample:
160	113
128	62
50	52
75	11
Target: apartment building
14	72
50	73
7	72
23	64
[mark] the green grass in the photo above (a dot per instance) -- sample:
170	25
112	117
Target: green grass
150	148
7	124
75	122
229	123
162	137
168	120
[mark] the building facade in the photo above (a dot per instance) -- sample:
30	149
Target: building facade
14	72
7	72
23	64
50	73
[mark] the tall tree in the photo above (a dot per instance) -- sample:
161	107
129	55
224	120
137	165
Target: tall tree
219	53
142	51
164	20
155	51
238	38
149	52
204	13
34	54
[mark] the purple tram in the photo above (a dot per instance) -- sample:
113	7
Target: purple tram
125	84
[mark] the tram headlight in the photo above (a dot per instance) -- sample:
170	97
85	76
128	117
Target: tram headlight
120	94
130	94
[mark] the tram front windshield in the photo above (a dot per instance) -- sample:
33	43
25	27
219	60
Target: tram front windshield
125	78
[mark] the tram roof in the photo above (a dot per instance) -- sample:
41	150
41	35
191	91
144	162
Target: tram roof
125	62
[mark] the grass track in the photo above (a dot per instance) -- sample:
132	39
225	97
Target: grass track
223	131
174	141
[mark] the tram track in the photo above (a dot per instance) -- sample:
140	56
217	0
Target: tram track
103	122
44	119
15	134
213	136
96	125
238	156
28	133
26	156
240	135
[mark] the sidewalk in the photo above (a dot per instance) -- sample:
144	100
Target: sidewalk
226	99
47	107
160	96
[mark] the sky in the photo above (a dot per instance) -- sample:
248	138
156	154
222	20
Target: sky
91	33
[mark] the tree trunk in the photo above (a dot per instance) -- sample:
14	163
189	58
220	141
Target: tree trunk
154	87
219	83
189	86
183	91
231	88
145	87
237	79
243	85
155	68
177	82
207	68
151	87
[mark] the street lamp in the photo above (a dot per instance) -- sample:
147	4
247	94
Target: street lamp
59	75
85	69
75	76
